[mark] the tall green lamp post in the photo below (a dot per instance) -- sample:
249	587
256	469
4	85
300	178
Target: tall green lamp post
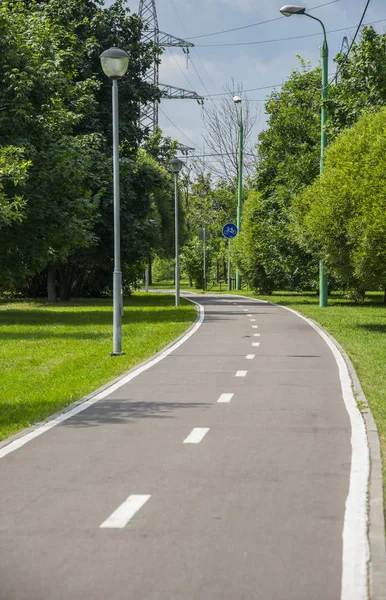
237	100
288	10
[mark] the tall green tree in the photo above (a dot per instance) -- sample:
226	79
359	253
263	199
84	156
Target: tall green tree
342	215
288	160
361	82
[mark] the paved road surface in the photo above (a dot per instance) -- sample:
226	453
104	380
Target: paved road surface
252	509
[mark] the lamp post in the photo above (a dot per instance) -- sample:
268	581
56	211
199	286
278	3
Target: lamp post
288	10
237	100
114	63
175	166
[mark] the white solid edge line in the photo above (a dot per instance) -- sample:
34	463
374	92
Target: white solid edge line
225	398
196	435
126	511
241	373
11	447
356	552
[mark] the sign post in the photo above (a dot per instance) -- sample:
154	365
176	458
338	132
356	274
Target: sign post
229	231
204	235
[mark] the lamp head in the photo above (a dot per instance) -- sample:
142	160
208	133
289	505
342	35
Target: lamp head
114	62
236	99
292	9
175	165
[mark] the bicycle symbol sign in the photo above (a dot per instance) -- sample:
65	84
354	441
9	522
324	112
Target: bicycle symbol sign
229	230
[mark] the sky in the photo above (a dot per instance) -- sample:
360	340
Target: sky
259	63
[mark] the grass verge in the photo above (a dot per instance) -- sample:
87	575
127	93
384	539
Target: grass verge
52	355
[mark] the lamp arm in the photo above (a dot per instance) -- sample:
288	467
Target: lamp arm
322	24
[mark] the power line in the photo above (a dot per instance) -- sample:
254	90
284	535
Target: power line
353	40
297	37
266	87
178	129
203	66
196	37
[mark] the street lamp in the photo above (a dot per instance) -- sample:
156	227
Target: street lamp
237	100
288	10
175	166
114	63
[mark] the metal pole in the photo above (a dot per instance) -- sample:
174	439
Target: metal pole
240	188
177	268
323	291
117	275
147	279
229	265
204	240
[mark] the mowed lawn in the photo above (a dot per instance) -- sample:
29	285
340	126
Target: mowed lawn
52	355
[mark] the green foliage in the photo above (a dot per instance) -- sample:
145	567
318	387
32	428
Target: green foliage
362	82
288	159
13	174
264	250
192	260
342	216
163	269
55	154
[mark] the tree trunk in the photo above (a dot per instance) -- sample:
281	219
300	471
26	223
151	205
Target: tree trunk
51	284
150	271
384	297
65	282
79	283
217	271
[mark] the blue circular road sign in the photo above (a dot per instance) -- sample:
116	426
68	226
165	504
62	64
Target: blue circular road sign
229	230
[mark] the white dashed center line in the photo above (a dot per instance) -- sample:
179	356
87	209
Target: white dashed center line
225	398
255	343
249	315
241	373
250	356
120	517
254	326
252	320
256	335
196	435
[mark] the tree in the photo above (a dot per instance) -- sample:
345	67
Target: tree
342	215
288	160
361	82
222	135
42	98
57	116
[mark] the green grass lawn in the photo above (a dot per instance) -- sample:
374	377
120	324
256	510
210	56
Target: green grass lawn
51	355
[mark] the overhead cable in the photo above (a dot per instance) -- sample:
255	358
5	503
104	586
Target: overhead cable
178	129
297	37
196	37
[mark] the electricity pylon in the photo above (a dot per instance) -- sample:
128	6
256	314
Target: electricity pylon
151	33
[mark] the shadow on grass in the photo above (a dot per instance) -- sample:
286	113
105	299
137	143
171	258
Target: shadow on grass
44	335
117	412
88	317
373	327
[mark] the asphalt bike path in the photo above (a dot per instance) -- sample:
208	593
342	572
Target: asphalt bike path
220	472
